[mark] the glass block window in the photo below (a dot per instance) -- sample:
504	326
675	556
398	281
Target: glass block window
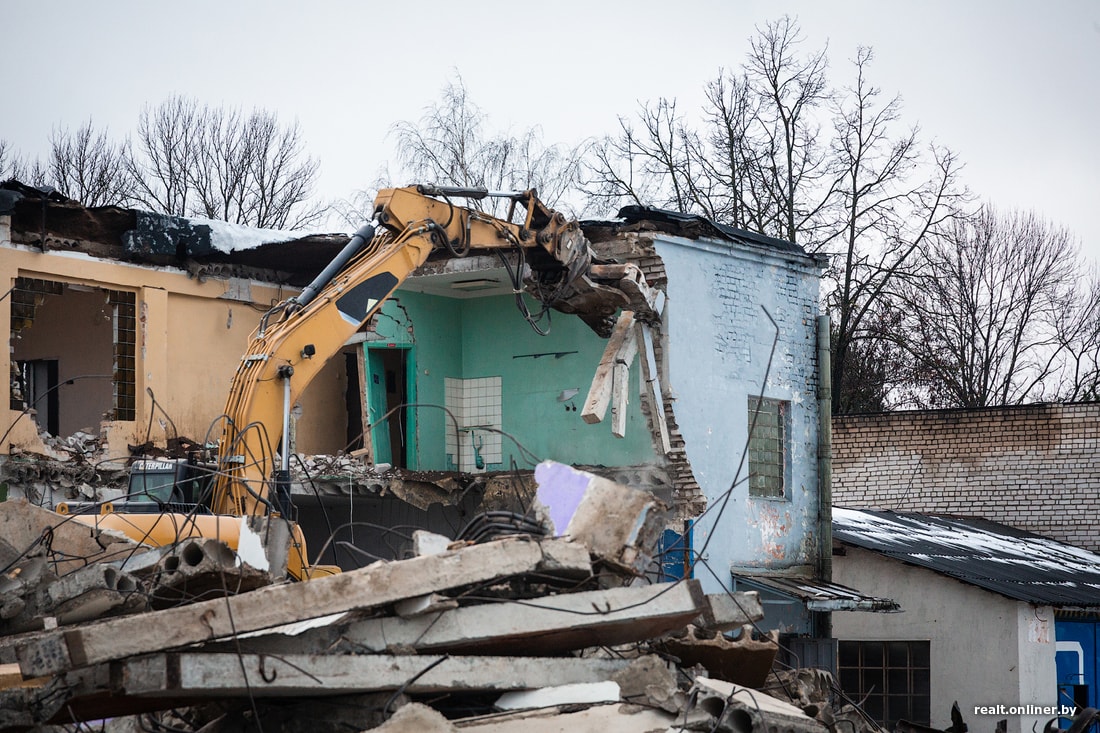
124	310
768	420
893	678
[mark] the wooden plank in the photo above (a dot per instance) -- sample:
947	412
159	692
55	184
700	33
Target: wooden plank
364	404
375	585
618	347
620	399
653	390
226	674
549	625
11	677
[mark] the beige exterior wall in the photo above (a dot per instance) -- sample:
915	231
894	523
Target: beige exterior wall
190	338
1034	467
80	324
985	649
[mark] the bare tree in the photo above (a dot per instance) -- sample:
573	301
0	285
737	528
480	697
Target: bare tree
15	166
861	190
194	160
983	314
168	150
887	201
1078	329
253	170
450	145
660	163
86	166
759	162
9	163
791	88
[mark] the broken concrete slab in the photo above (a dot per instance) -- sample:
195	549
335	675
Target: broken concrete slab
743	709
650	681
730	611
31	596
416	718
205	567
547	625
370	587
619	525
73	545
429	543
744	661
90	593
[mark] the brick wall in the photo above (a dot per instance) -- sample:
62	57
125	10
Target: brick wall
1035	467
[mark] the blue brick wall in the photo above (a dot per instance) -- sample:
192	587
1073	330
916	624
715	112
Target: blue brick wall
719	341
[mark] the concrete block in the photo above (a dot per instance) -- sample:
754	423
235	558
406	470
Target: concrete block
429	543
619	525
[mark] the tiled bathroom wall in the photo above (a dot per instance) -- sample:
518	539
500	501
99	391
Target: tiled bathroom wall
475	405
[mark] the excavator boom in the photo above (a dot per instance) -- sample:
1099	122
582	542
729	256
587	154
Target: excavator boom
553	262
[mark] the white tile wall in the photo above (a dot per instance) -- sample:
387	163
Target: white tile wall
475	404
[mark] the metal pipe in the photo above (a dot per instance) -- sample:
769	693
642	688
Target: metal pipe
285	464
824	621
467	192
356	243
825	447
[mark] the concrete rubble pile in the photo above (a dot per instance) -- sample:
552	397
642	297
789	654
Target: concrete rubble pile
539	631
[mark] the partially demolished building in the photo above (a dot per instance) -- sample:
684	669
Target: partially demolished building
126	328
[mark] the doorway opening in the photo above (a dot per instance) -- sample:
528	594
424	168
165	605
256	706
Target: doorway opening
389	386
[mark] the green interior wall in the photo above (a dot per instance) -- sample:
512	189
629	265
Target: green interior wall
433	326
495	334
483	337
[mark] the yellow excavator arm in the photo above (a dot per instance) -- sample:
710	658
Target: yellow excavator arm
296	338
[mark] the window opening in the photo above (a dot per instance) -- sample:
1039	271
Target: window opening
768	447
893	678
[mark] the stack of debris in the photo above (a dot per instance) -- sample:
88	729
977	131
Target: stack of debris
546	630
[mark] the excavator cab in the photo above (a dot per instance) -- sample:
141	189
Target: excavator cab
163	481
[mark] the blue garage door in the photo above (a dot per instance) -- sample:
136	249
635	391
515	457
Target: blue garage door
1075	660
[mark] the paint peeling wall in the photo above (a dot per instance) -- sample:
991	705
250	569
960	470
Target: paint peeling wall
719	340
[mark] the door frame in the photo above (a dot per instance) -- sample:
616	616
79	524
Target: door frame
411	458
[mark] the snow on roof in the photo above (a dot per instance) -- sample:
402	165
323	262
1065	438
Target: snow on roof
1009	561
226	237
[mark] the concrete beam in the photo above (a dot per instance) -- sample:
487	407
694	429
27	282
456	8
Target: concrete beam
208	675
370	587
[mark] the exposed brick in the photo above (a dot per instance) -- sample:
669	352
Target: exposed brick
1035	467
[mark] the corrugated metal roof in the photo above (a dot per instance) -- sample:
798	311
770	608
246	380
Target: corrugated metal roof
819	595
1014	563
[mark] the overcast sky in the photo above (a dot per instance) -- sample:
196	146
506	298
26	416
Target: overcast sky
1012	86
